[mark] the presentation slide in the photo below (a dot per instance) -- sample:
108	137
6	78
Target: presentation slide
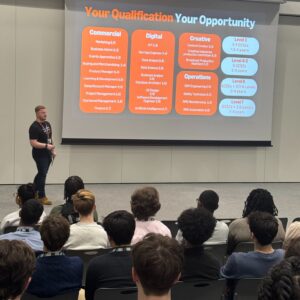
169	72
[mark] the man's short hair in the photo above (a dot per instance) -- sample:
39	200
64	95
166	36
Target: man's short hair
197	225
38	108
264	227
209	199
145	203
120	226
55	231
84	202
157	261
17	263
26	192
31	212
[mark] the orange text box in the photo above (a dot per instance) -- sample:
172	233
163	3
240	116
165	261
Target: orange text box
151	73
103	70
196	93
199	51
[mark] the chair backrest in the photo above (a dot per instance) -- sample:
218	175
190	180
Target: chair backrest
116	294
72	295
86	256
284	222
249	246
247	289
228	221
199	291
296	220
172	225
9	229
218	250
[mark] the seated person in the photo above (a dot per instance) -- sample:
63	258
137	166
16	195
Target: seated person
283	281
197	226
113	270
257	263
293	248
24	193
258	200
157	263
17	262
55	273
144	205
72	185
30	214
210	200
292	233
86	234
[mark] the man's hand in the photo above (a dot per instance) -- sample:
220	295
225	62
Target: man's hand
50	147
53	153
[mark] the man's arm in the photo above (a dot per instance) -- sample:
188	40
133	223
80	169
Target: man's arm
37	145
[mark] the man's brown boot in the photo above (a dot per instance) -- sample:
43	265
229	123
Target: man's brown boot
45	201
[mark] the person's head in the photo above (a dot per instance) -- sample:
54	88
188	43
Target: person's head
84	202
41	113
282	282
157	264
263	227
292	233
208	199
120	226
293	248
197	225
25	192
145	203
72	185
260	200
17	263
55	231
31	212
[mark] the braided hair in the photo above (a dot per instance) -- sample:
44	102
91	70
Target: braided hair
282	282
260	200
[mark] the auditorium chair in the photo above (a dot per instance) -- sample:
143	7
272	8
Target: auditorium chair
249	246
129	293
218	250
172	225
247	289
72	295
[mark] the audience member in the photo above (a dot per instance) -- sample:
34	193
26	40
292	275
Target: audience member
197	226
157	263
210	200
293	248
144	205
72	185
17	262
292	233
55	272
254	264
86	234
258	200
113	270
24	193
30	214
283	281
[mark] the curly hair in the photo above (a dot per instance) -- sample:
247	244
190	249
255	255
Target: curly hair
145	203
260	200
26	192
282	282
197	225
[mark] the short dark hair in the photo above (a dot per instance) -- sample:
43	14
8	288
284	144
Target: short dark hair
264	227
72	185
293	248
209	199
17	263
84	202
158	261
39	107
282	282
26	192
120	226
31	212
197	225
55	231
260	200
145	203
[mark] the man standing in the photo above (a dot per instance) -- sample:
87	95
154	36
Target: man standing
43	150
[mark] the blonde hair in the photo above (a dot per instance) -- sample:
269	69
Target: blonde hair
292	233
84	202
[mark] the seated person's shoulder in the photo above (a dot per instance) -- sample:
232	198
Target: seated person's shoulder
56	210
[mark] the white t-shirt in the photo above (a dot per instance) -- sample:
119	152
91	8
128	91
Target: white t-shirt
13	219
86	236
220	234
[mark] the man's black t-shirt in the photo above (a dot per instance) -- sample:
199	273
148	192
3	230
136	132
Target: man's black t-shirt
41	132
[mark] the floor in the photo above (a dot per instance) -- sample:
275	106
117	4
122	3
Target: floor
174	197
